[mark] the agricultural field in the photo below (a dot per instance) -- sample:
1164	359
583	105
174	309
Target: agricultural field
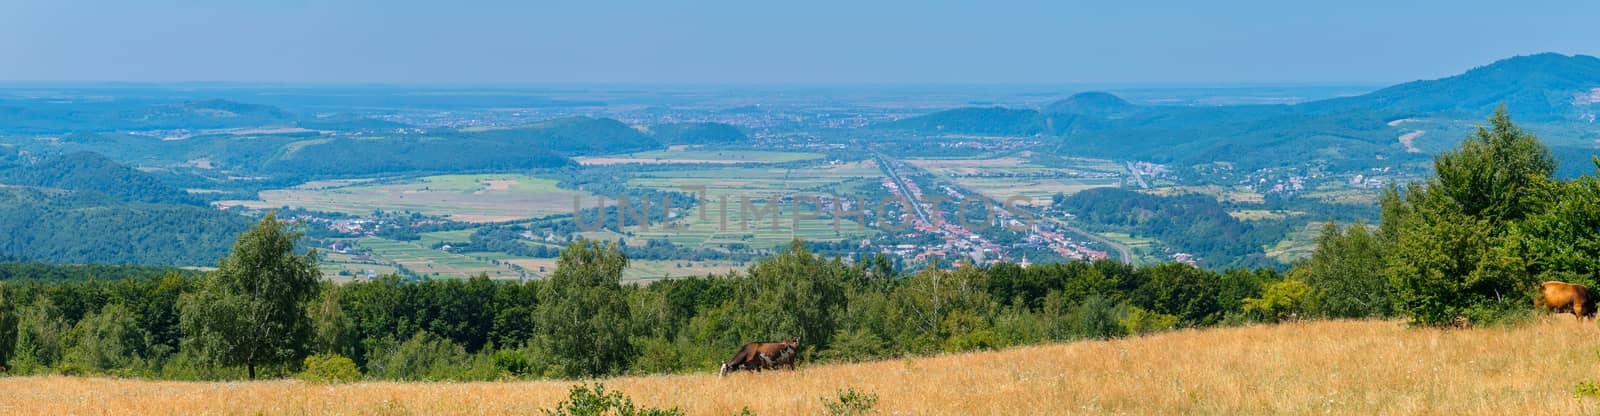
729	227
1336	192
468	198
1001	178
638	270
1302	242
1142	249
417	257
444	237
679	154
652	270
757	182
1316	367
1039	191
1225	194
759	185
1298	245
1262	214
341	267
434	263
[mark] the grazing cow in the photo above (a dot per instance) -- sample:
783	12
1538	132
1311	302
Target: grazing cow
1565	297
757	356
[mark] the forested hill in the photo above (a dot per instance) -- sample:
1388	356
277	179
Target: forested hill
1195	224
1347	132
105	230
567	136
1095	104
93	116
1541	87
88	171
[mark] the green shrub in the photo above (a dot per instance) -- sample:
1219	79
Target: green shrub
512	362
1283	300
583	401
330	368
423	357
1139	321
1096	318
1586	389
110	339
850	402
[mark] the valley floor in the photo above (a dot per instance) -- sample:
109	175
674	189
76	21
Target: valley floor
1339	367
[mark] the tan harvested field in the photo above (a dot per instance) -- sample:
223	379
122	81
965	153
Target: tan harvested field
468	198
1339	367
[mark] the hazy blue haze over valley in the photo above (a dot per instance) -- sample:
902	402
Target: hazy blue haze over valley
1370	42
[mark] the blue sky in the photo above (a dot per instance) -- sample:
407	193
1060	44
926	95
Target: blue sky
814	41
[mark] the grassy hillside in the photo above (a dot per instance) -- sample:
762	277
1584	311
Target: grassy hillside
1339	367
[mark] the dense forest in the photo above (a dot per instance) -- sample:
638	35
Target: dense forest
105	230
482	329
88	171
1193	223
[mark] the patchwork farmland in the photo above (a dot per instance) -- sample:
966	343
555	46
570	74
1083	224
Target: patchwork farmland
469	198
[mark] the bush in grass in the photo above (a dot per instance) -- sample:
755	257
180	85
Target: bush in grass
330	368
585	401
850	402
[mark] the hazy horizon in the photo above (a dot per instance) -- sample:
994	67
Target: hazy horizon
1159	43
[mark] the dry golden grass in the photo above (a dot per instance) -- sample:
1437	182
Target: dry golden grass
1341	367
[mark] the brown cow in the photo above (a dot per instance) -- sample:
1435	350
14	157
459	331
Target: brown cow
757	356
1565	297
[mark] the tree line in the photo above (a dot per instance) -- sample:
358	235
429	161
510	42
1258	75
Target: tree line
264	311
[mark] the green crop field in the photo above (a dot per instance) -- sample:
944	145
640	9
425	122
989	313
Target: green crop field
1038	191
1142	247
1300	243
1234	194
439	237
430	262
342	267
774	228
1002	178
639	270
757	182
471	198
1342	193
1262	214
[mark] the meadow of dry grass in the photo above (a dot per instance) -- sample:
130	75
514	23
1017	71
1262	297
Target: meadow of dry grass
1340	367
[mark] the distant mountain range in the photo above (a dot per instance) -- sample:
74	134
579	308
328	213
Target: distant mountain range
1348	131
1541	87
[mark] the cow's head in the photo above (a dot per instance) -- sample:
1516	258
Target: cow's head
793	343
